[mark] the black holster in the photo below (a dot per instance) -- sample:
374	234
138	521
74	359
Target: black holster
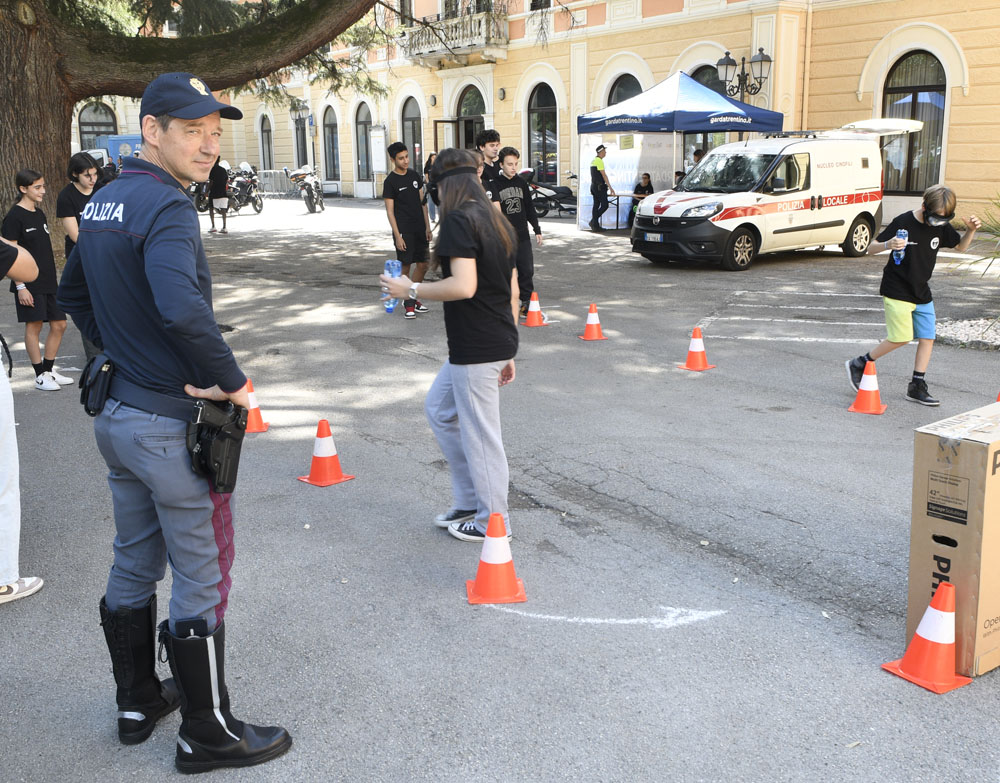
95	383
214	441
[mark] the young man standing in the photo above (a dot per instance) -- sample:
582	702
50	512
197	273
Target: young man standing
83	176
218	182
909	307
403	193
600	186
515	203
488	143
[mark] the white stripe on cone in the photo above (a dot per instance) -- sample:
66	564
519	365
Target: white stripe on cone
533	305
697	345
253	400
937	626
868	383
496	551
324	447
592	318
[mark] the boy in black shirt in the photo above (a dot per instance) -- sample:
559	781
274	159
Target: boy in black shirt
403	193
82	173
488	144
515	203
25	225
218	197
642	189
909	307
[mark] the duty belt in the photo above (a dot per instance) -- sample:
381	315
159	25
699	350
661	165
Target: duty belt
150	401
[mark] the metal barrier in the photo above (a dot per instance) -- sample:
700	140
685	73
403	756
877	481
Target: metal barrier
274	182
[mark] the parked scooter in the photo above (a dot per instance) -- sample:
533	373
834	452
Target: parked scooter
198	191
244	188
550	197
310	188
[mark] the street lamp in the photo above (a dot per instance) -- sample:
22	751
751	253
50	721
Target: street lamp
744	83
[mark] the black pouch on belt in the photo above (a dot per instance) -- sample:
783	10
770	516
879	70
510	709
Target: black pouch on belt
95	383
214	440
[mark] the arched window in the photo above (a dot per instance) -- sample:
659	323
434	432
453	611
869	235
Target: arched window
413	134
363	129
914	90
543	142
266	144
708	76
625	86
331	144
471	108
96	119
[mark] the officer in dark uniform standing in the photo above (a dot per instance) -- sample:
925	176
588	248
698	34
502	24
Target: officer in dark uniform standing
138	284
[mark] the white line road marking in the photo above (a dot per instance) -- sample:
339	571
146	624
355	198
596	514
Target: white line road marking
787	339
806	293
672	617
797	321
809	307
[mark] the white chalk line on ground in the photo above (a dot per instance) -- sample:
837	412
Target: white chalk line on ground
784	339
796	321
806	293
672	617
808	307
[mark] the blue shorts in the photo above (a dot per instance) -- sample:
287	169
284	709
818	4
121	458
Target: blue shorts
906	320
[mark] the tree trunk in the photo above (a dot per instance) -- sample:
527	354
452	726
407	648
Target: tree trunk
50	65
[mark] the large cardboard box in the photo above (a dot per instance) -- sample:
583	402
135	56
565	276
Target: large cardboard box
955	531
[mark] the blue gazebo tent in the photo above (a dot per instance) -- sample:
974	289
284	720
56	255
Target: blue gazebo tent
679	104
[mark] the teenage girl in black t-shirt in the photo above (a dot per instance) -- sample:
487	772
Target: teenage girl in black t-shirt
475	252
26	226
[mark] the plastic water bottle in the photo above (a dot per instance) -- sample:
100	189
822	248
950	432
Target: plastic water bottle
897	255
393	268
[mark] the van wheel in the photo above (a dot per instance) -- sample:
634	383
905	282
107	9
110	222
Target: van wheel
858	238
741	249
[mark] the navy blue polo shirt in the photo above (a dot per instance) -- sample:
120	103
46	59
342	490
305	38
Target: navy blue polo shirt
138	284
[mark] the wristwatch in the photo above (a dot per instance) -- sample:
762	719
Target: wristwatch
413	290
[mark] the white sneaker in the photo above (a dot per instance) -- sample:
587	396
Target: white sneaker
45	382
22	588
62	380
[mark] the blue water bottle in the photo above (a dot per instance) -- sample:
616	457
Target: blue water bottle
897	255
393	268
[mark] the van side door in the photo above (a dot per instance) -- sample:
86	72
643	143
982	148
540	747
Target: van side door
788	205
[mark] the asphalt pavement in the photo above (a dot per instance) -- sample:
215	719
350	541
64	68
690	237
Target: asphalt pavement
715	563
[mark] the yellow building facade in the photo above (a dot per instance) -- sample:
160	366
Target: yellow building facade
530	71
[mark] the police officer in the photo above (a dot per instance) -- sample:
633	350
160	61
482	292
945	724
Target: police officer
138	284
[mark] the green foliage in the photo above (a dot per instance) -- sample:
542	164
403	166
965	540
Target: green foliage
205	17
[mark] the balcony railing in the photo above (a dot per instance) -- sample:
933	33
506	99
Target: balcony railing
463	28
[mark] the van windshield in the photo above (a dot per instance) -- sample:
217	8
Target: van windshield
721	173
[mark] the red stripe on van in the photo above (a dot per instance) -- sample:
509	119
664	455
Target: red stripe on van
796	205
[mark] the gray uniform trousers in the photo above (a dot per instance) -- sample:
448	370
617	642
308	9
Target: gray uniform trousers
463	409
163	511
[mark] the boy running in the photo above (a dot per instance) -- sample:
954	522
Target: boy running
515	203
909	307
403	193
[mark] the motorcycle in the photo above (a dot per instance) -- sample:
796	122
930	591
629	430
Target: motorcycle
244	188
310	188
550	197
198	191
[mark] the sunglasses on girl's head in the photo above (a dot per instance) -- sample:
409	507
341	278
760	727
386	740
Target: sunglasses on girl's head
935	219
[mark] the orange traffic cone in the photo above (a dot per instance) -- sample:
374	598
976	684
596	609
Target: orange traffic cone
254	421
325	469
998	398
868	399
930	659
697	359
593	329
534	312
496	582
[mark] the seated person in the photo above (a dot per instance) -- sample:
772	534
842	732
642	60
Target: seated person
642	189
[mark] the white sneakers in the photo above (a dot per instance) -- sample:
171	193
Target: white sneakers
51	381
22	588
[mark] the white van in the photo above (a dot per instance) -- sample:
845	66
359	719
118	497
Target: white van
785	191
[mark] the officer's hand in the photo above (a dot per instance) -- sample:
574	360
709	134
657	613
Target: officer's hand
25	298
239	397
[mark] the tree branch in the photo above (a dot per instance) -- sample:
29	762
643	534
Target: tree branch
94	62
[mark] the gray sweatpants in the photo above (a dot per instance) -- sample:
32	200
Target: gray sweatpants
163	510
463	408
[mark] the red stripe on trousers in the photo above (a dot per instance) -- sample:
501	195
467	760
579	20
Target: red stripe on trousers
222	526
